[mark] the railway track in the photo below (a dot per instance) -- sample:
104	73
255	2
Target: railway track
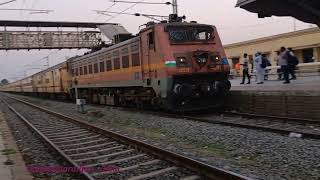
102	154
303	128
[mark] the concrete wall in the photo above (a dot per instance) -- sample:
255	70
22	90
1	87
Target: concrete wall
299	40
290	104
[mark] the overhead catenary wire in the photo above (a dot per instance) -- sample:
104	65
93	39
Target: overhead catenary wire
30	10
150	16
130	7
7	2
138	2
111	6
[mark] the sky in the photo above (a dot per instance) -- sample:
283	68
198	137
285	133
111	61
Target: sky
234	25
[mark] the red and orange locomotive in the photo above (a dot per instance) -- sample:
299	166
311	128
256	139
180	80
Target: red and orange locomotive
175	65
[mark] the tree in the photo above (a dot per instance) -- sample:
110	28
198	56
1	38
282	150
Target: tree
4	82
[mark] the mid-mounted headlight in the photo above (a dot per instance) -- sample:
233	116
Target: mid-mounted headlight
181	60
202	60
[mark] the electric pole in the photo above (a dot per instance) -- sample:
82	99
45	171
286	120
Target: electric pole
175	6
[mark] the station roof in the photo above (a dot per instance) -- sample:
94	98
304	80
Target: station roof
51	24
307	10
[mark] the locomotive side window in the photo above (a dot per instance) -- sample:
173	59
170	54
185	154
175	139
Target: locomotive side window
96	68
90	69
116	63
125	51
135	59
134	47
102	66
151	40
125	62
109	65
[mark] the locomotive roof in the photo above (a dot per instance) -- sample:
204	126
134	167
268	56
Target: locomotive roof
79	58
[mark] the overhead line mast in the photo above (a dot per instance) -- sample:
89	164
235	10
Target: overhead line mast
175	6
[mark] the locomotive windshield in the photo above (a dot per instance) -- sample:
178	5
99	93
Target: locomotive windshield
190	34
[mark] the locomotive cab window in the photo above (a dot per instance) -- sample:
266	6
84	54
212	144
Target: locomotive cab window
180	34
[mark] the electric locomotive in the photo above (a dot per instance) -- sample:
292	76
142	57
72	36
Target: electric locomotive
173	65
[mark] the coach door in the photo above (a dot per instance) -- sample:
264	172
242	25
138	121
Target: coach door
148	52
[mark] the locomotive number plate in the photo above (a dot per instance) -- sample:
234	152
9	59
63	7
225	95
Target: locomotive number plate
184	70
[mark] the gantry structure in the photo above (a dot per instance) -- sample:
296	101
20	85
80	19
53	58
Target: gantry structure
49	35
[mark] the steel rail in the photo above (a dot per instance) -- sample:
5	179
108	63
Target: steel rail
48	141
201	168
276	118
257	127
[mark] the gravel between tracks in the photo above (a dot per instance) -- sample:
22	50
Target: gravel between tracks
256	154
35	153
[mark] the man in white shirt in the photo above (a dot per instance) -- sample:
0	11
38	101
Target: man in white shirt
245	71
260	71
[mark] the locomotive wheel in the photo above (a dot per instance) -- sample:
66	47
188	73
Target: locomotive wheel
123	102
139	104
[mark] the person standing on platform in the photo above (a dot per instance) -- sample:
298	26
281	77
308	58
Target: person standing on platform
245	71
292	63
277	59
259	68
283	62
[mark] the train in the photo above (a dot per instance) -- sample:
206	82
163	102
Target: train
173	65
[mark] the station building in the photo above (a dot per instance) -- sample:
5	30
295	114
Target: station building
305	43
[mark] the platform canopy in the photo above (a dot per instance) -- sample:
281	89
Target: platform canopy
304	10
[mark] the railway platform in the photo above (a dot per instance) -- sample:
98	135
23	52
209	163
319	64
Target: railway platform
299	99
12	166
307	83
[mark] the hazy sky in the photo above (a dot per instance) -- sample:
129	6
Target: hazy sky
234	24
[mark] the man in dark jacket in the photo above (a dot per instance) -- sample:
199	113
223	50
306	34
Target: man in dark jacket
292	63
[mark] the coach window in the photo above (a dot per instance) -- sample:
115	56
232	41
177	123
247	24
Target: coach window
135	59
77	72
125	51
81	71
102	69
116	63
125	62
85	70
109	65
90	69
151	40
95	68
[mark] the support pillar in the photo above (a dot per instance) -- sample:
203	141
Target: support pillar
316	54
